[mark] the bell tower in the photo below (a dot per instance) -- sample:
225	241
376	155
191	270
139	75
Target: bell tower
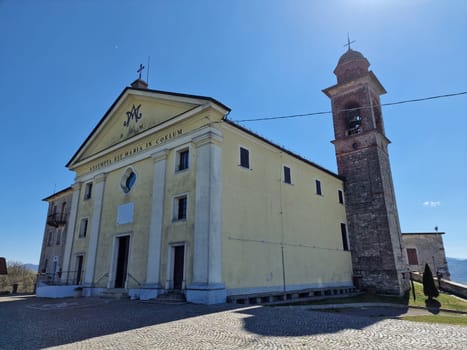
361	148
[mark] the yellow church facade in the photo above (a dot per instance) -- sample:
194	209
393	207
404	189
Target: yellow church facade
171	195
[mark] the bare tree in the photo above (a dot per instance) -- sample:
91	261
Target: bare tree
18	275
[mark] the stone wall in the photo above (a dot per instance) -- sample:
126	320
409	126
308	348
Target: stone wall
372	214
446	286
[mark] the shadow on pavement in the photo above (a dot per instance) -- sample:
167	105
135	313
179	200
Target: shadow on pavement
32	323
433	306
294	321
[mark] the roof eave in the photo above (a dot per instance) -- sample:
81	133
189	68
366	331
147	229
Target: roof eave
230	122
57	194
422	233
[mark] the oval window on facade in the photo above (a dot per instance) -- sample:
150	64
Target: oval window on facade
128	180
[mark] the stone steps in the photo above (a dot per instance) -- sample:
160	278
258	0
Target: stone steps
115	293
171	297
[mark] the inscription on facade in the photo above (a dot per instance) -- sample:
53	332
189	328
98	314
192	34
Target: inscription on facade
132	150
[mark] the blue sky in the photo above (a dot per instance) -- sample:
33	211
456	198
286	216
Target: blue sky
63	63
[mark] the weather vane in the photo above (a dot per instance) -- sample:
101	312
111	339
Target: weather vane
349	42
140	69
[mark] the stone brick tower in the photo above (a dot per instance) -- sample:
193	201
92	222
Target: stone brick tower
378	256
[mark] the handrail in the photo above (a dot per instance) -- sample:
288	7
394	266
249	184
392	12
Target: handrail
57	219
59	277
100	278
134	279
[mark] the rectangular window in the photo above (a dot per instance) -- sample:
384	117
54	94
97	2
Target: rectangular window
83	228
341	196
318	187
63	213
183	157
88	190
412	255
180	208
287	176
50	238
244	158
345	243
59	234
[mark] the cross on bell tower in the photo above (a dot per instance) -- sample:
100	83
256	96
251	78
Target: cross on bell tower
378	257
139	83
349	42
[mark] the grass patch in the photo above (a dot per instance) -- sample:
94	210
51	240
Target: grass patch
443	301
447	301
442	318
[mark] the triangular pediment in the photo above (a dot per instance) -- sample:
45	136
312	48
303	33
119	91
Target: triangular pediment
133	113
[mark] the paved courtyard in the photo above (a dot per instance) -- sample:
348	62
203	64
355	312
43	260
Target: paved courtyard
91	323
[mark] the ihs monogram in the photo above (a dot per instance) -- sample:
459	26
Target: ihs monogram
133	114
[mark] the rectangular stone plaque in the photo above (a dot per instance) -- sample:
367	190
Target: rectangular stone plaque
125	213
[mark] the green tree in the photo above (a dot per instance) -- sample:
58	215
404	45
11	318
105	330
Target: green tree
429	287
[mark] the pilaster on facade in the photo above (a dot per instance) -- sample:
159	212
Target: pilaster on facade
207	286
209	135
99	182
70	233
157	220
160	155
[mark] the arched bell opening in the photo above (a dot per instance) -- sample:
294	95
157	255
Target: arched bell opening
353	119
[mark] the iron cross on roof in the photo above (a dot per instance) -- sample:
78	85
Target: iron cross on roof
140	69
349	42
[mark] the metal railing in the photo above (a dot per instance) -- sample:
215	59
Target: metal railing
72	277
134	279
56	219
98	281
60	277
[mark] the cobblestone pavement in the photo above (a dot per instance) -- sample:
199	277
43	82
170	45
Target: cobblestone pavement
91	323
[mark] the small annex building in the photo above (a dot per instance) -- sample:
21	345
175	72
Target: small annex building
171	195
426	248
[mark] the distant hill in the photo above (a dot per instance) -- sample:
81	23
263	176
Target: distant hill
32	267
458	270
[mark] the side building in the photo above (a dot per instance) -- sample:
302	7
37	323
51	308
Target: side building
172	196
427	248
55	236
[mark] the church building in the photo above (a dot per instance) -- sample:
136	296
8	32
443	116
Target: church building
171	195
